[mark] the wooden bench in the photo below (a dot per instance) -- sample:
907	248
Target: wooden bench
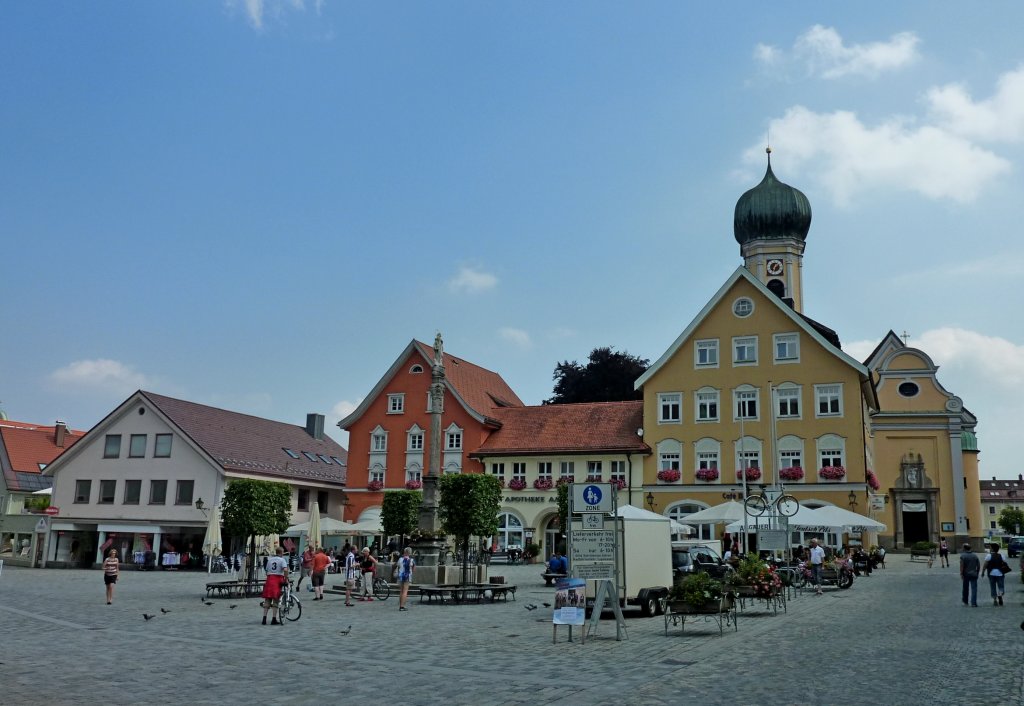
234	589
550	578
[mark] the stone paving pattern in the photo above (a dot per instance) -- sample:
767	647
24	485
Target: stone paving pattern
899	637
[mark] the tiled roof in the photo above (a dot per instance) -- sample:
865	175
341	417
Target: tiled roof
1000	489
27	446
482	389
567	428
248	444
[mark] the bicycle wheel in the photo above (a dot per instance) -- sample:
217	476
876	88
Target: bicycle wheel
381	589
755	505
291	609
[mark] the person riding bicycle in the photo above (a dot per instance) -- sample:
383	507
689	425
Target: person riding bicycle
277	575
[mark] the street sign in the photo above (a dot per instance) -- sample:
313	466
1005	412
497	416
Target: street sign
592	547
593	520
772	539
591	497
52	510
41	525
595	571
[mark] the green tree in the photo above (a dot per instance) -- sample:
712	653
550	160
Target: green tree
563	510
467	505
607	377
1011	519
255	507
399	512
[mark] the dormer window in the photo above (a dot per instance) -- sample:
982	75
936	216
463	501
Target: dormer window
291	453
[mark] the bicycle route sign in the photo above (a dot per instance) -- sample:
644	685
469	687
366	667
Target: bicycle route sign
591	497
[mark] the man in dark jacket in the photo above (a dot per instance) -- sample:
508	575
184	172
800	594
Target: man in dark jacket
970	567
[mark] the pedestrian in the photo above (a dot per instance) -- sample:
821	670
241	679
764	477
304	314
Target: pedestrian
111	569
970	567
943	552
406	564
351	570
277	574
996	568
318	569
817	559
368	568
306	568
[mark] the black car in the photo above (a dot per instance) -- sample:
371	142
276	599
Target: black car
698	557
1015	546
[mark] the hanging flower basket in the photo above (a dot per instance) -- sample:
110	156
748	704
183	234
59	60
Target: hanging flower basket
374	485
707	474
791	473
517	484
413	484
619	483
543	484
669	475
753	474
873	480
832	473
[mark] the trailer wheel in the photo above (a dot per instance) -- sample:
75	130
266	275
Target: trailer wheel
649	606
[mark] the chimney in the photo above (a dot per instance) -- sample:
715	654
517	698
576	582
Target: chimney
60	430
315	425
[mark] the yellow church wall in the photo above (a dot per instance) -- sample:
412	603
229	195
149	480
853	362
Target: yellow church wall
975	518
929	397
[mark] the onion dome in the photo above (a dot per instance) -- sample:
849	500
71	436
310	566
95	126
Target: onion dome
771	211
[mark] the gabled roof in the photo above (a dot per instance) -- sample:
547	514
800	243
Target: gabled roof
27	446
239	442
478	390
801	322
594	427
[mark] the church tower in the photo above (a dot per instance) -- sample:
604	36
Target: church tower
770	224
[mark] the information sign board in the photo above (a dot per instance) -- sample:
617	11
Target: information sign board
591	497
771	539
592	546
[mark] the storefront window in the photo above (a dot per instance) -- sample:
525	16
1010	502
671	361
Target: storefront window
510	532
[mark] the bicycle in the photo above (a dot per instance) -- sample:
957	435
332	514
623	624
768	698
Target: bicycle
289	607
381	588
758	503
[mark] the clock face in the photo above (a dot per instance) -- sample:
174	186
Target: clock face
775	267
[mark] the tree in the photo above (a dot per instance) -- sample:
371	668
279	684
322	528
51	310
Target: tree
563	510
607	377
1011	519
255	507
399	512
468	505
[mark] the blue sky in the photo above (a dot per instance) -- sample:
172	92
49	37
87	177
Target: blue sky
257	204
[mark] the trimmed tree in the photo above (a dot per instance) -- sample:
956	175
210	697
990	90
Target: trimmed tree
400	512
468	505
608	376
255	507
1011	519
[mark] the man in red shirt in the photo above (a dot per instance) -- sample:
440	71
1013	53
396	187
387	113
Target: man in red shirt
307	565
320	563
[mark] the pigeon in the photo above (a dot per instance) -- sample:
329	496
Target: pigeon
347	630
208	602
164	611
147	616
547	605
233	606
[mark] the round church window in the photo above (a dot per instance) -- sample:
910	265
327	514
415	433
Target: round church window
908	389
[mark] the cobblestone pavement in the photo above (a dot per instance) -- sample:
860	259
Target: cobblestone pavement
899	637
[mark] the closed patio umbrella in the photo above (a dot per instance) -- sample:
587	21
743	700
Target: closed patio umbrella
212	540
313	535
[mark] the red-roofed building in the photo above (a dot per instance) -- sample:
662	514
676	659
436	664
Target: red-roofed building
389	444
535	448
25	450
134	481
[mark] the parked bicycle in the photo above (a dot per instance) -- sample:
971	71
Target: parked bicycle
381	588
758	503
290	607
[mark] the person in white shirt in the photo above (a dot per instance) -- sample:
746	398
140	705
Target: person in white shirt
277	574
351	570
817	560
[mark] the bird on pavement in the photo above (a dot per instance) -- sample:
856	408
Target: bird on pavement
233	606
208	602
164	611
547	605
147	616
347	630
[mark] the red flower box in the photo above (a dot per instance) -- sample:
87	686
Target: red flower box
753	474
791	473
707	474
669	475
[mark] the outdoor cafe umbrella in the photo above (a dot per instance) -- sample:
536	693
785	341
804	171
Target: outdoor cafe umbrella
313	534
212	540
729	511
834	516
328	526
806	519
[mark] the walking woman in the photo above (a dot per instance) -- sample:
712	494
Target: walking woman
995	566
405	567
111	568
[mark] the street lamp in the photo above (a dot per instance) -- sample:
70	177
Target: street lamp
201	506
853	500
650	501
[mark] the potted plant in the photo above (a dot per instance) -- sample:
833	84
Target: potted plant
517	484
708	475
619	483
756	579
565	480
669	475
873	480
753	474
791	473
832	472
413	484
697	593
543	484
530	551
375	485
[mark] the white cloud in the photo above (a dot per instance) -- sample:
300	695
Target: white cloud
472	281
851	157
515	336
344	408
998	118
822	53
100	374
256	10
995	359
338	412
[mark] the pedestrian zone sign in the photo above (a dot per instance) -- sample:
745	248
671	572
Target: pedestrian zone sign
591	497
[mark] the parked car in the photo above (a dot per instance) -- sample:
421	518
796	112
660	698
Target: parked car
1015	546
688	558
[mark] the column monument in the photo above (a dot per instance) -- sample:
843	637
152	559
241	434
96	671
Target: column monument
429	547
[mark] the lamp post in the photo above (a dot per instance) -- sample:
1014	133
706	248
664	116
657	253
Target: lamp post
650	501
201	506
853	501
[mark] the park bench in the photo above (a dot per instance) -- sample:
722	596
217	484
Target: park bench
550	578
234	589
473	592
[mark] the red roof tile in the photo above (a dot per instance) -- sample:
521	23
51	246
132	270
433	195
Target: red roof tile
481	389
567	428
27	446
248	444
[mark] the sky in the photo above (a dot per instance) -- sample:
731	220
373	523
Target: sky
257	204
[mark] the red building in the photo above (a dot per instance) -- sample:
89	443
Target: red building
389	433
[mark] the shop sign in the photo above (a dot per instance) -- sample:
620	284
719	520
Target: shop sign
52	510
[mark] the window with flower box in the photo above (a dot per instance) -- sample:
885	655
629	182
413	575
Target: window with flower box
670	406
787	401
594	471
829	400
567	469
618	470
377	474
707	405
706	354
544	470
414	475
519	471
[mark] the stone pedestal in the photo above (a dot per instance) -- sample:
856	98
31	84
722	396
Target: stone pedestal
428	553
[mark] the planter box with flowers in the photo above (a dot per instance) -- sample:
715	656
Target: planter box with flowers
707	475
791	473
832	473
565	480
375	485
873	481
543	484
669	475
517	484
619	483
413	484
753	474
593	479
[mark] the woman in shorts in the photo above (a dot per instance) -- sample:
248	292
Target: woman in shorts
111	568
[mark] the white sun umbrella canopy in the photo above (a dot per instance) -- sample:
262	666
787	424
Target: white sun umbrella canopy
680	528
314	533
730	511
834	516
212	541
328	525
805	520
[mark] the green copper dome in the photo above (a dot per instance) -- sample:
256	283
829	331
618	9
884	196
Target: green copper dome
968	441
771	211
